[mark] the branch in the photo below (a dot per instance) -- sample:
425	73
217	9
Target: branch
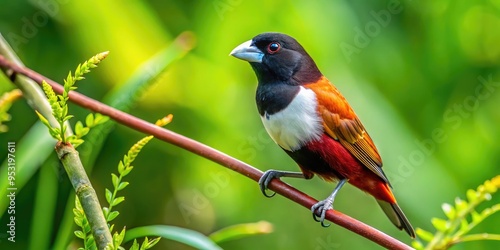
86	193
213	155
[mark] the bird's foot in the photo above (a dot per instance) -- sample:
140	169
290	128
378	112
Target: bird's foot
267	177
321	208
271	174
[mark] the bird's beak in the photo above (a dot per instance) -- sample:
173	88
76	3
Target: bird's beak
248	52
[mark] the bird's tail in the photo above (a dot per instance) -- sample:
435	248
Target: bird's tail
397	217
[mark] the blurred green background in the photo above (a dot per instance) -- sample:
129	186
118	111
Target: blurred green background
423	76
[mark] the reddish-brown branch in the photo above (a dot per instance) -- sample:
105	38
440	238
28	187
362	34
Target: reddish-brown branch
213	155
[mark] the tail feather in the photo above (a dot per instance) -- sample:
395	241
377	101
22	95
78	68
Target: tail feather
397	217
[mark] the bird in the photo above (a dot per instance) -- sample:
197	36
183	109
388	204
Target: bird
308	117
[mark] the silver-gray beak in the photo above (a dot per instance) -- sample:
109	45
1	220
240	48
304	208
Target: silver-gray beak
248	52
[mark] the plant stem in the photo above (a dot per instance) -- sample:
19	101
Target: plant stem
85	192
213	155
31	91
473	237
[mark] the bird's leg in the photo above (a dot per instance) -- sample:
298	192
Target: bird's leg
326	204
271	174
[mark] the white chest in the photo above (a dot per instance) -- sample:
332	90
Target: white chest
297	124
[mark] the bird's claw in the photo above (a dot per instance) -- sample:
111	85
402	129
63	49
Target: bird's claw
264	181
321	207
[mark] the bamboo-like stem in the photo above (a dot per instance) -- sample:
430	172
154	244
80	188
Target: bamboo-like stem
31	91
85	192
213	155
67	154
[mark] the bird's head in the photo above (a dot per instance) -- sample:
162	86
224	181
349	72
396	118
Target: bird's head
277	57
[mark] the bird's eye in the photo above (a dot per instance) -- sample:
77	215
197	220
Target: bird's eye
273	47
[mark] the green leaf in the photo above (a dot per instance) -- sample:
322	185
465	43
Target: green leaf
186	236
476	217
69	80
471	195
115	180
78	221
86	227
43	119
424	235
440	224
122	185
118	237
99	119
67	117
90	243
121	168
126	158
464	226
71	138
78	213
55	133
461	205
241	230
78	128
89	120
153	242
77	142
109	196
80	234
490	186
144	244
84	132
118	201
113	215
417	245
135	245
127	170
449	211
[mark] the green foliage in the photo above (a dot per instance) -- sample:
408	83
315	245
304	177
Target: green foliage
401	82
461	219
187	236
85	233
6	101
124	168
122	97
146	244
60	106
80	130
241	230
117	240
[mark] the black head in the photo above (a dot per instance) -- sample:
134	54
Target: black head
277	57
